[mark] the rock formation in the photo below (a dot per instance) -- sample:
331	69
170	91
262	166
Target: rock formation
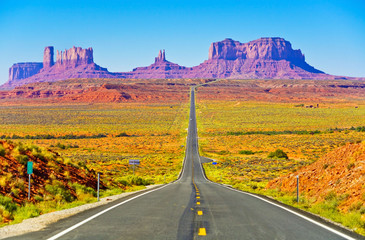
264	58
72	63
48	57
263	49
23	70
160	69
74	57
161	57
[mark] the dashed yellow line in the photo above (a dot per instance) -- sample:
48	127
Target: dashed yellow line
200	213
198	203
202	232
197	197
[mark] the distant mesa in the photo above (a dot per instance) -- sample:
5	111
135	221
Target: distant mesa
264	58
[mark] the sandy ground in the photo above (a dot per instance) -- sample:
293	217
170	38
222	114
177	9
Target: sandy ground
40	222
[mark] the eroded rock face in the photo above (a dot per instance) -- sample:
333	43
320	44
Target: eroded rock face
74	57
264	58
161	57
160	69
48	57
24	70
263	49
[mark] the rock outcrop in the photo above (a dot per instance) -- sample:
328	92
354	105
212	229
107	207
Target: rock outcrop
48	57
264	58
160	69
74	57
72	63
23	70
161	57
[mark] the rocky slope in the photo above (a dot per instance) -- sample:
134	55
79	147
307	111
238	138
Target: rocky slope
49	169
264	58
340	173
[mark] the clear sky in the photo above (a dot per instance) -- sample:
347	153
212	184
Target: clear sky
128	34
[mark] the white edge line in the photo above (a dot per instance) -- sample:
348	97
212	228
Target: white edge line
100	213
108	209
282	207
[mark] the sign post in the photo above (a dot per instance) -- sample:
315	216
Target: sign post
133	162
29	171
98	187
297	189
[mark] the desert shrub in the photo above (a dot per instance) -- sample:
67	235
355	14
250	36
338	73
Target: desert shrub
2	151
278	154
22	159
355	206
140	181
123	134
81	189
59	191
246	152
26	211
330	196
7	203
350	165
38	198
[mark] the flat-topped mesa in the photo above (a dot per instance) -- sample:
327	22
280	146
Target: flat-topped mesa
161	57
48	57
23	70
263	49
74	57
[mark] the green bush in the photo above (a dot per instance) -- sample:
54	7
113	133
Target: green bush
22	159
59	191
278	154
246	152
8	203
27	211
2	151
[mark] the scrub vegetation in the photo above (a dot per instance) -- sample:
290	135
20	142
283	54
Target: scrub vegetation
256	142
85	139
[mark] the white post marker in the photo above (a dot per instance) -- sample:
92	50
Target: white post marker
98	187
298	189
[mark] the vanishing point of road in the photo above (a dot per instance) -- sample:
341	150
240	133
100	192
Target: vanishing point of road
191	208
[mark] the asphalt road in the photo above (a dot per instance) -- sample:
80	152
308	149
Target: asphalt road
191	208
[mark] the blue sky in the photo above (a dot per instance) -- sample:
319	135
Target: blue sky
128	34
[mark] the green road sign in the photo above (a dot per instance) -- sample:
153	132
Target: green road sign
30	167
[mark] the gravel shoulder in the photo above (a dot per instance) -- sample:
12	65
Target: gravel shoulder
40	222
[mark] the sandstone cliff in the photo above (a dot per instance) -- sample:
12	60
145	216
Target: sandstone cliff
23	70
48	58
72	63
264	58
74	57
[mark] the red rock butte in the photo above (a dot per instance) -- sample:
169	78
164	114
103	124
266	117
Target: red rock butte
264	58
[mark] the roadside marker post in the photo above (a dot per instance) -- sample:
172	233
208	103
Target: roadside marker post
98	187
298	189
29	171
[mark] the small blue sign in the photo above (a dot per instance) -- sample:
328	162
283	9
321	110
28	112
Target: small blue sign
214	163
134	162
30	167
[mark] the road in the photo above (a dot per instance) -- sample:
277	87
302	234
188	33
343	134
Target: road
190	208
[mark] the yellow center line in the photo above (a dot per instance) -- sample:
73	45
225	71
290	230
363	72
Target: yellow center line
198	203
202	232
200	213
197	197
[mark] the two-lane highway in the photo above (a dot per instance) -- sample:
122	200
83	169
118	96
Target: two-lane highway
190	208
